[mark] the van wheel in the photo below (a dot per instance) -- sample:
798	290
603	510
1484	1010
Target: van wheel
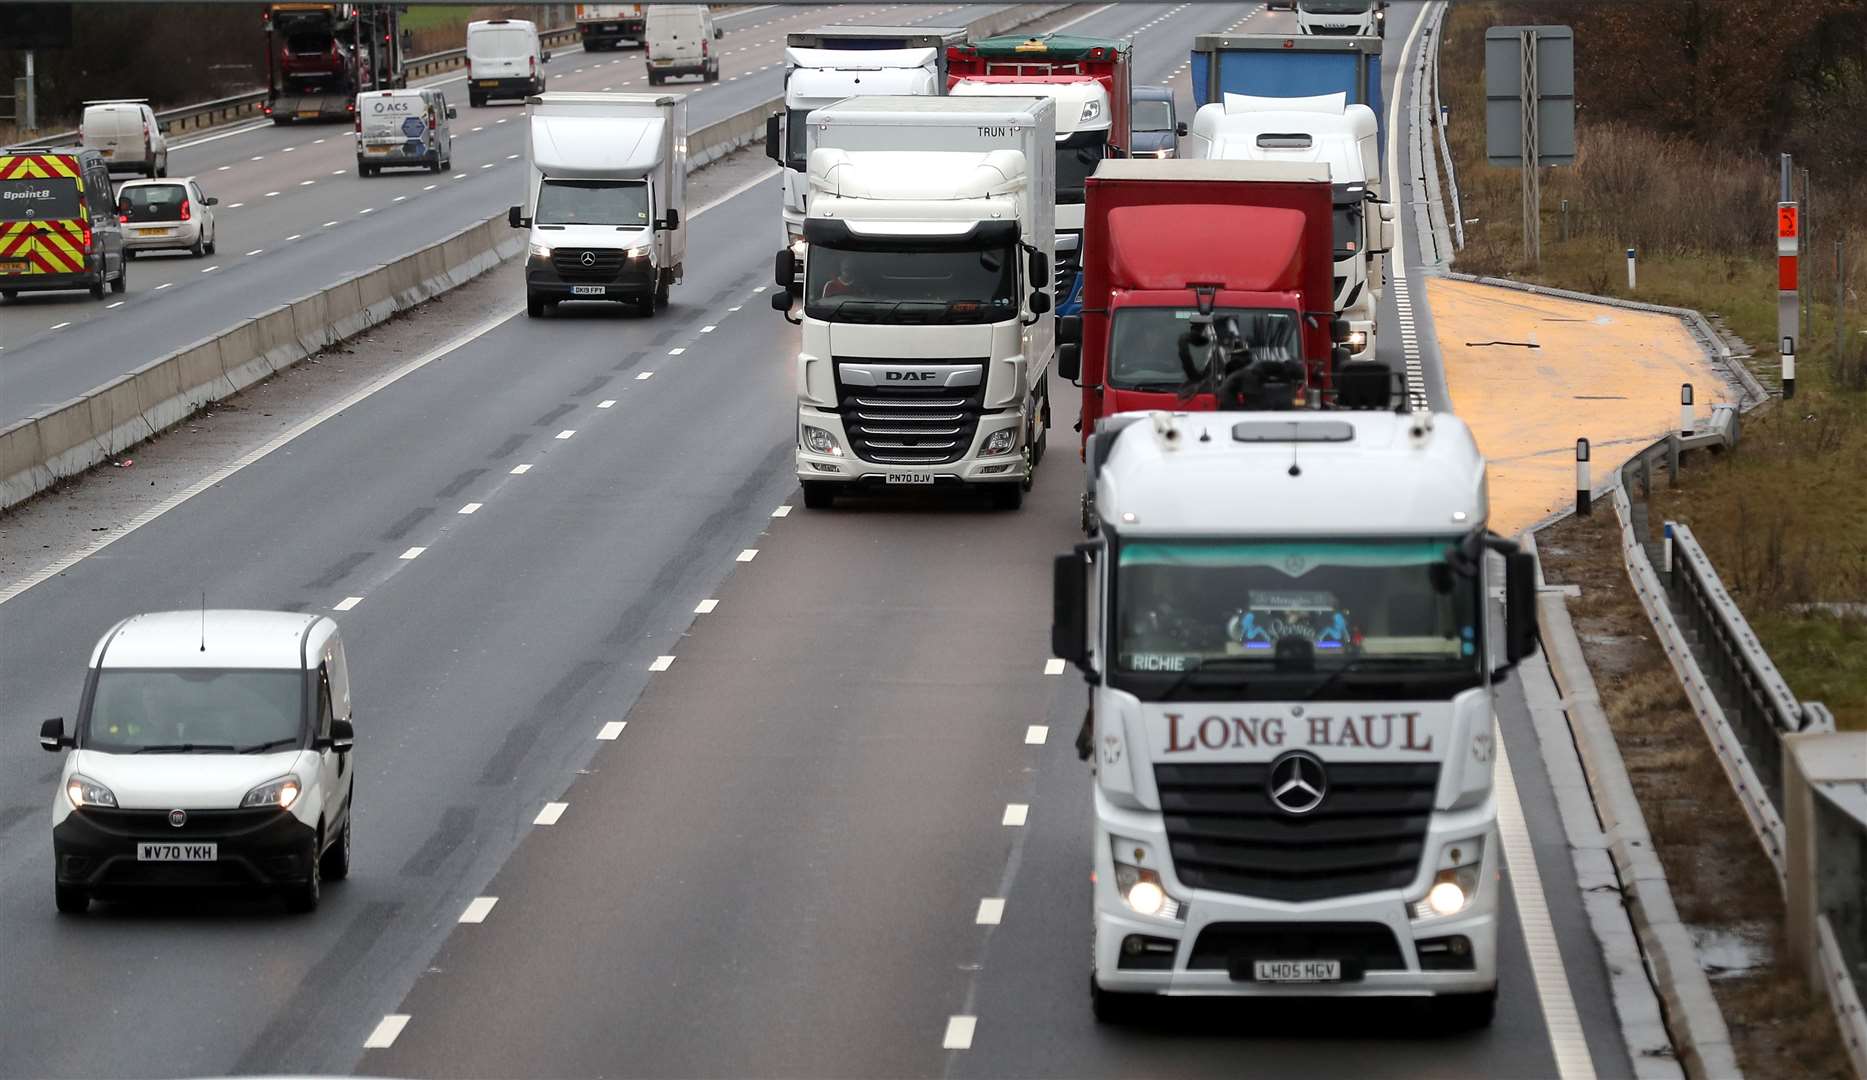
1007	496
97	290
818	495
478	101
534	305
335	866
71	899
123	277
304	896
661	290
9	294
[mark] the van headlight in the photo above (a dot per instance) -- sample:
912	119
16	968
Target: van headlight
541	251
1002	441
1140	887
84	791
1456	882
281	793
640	251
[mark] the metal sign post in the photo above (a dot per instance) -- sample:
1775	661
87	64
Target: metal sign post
1788	305
1530	111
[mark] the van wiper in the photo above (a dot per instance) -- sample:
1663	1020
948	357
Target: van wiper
188	748
269	744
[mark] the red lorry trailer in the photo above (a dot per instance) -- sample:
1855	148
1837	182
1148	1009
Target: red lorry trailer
1256	238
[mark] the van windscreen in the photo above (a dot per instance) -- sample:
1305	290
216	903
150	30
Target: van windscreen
593	202
48	199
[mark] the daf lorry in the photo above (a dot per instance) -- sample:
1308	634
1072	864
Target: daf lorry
1274	66
1154	265
320	56
608	26
926	348
831	63
605	198
1346	138
1091	80
1283	625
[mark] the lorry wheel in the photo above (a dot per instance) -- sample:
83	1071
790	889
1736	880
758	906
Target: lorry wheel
661	290
534	305
1007	496
1108	1006
818	495
1465	1012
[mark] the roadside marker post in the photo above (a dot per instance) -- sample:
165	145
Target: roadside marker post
1685	408
1788	301
1630	269
1582	498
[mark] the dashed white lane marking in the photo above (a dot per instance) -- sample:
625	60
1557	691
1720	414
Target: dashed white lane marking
223	168
708	329
315	142
386	1031
521	470
640	375
209	269
606	403
257	157
398	198
1053	666
469	508
430	187
567	433
758	289
289	149
478	909
612	731
255	251
1036	734
735	307
236	206
782	511
677	350
271	194
662	663
1566	1038
748	555
306	183
480	128
295	236
159	288
550	814
61	326
991	911
460	176
347	603
413	553
327	225
489	164
959	1032
367	210
118	304
510	157
502	120
705	607
1015	814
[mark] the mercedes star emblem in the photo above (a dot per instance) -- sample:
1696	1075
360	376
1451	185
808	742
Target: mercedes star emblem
178	818
589	258
1297	782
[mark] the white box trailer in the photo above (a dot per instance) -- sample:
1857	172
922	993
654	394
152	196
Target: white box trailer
605	198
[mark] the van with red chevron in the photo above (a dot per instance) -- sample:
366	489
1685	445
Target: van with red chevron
58	223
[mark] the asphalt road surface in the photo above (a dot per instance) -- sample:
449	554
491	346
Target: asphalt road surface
776	865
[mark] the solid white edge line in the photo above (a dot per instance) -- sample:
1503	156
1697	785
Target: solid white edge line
567	433
612	731
470	508
551	813
478	909
520	470
606	403
641	375
413	553
284	438
384	1036
1567	1039
959	1030
782	511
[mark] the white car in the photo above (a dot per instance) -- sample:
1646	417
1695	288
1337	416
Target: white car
212	748
166	214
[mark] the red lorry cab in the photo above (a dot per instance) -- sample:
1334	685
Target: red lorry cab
1257	236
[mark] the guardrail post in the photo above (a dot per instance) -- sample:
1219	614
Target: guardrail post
1582	486
1672	458
1825	828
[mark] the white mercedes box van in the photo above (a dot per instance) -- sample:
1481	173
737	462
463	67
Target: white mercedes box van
211	748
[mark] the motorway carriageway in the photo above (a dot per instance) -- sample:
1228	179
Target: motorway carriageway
658	775
294	216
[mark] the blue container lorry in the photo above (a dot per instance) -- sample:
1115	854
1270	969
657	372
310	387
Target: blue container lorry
1272	65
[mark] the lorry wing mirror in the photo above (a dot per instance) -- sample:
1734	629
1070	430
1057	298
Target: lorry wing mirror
1069	608
774	138
52	735
1038	267
1069	359
1338	331
781	303
672	221
515	217
1040	302
1520	621
1180	129
784	272
1070	330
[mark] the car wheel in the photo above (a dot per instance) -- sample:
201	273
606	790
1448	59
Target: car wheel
818	495
197	249
210	247
71	899
1007	496
336	862
534	305
303	896
1465	1012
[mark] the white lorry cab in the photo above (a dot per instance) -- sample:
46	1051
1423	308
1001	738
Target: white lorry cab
1350	18
504	59
1283	622
212	749
1327	130
681	41
927	342
605	198
831	63
127	133
404	128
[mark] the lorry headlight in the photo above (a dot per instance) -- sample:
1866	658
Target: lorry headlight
1091	109
1140	887
1456	882
281	793
819	441
541	251
84	791
1357	340
1003	441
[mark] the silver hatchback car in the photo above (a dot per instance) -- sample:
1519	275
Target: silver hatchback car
168	214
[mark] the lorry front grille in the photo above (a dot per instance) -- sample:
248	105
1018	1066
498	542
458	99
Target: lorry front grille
604	263
1068	262
1226	834
911	425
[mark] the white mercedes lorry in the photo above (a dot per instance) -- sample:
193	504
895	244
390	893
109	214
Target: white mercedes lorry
831	63
605	198
1341	18
1283	625
927	288
1328	130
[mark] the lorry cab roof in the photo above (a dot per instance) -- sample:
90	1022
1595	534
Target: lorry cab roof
1082	100
1212	169
845	38
214	638
1051	47
1291	474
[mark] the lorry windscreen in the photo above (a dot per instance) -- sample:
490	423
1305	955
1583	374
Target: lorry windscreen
1262	620
194	710
1077	158
1347	229
1337	7
592	202
931	284
1144	343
